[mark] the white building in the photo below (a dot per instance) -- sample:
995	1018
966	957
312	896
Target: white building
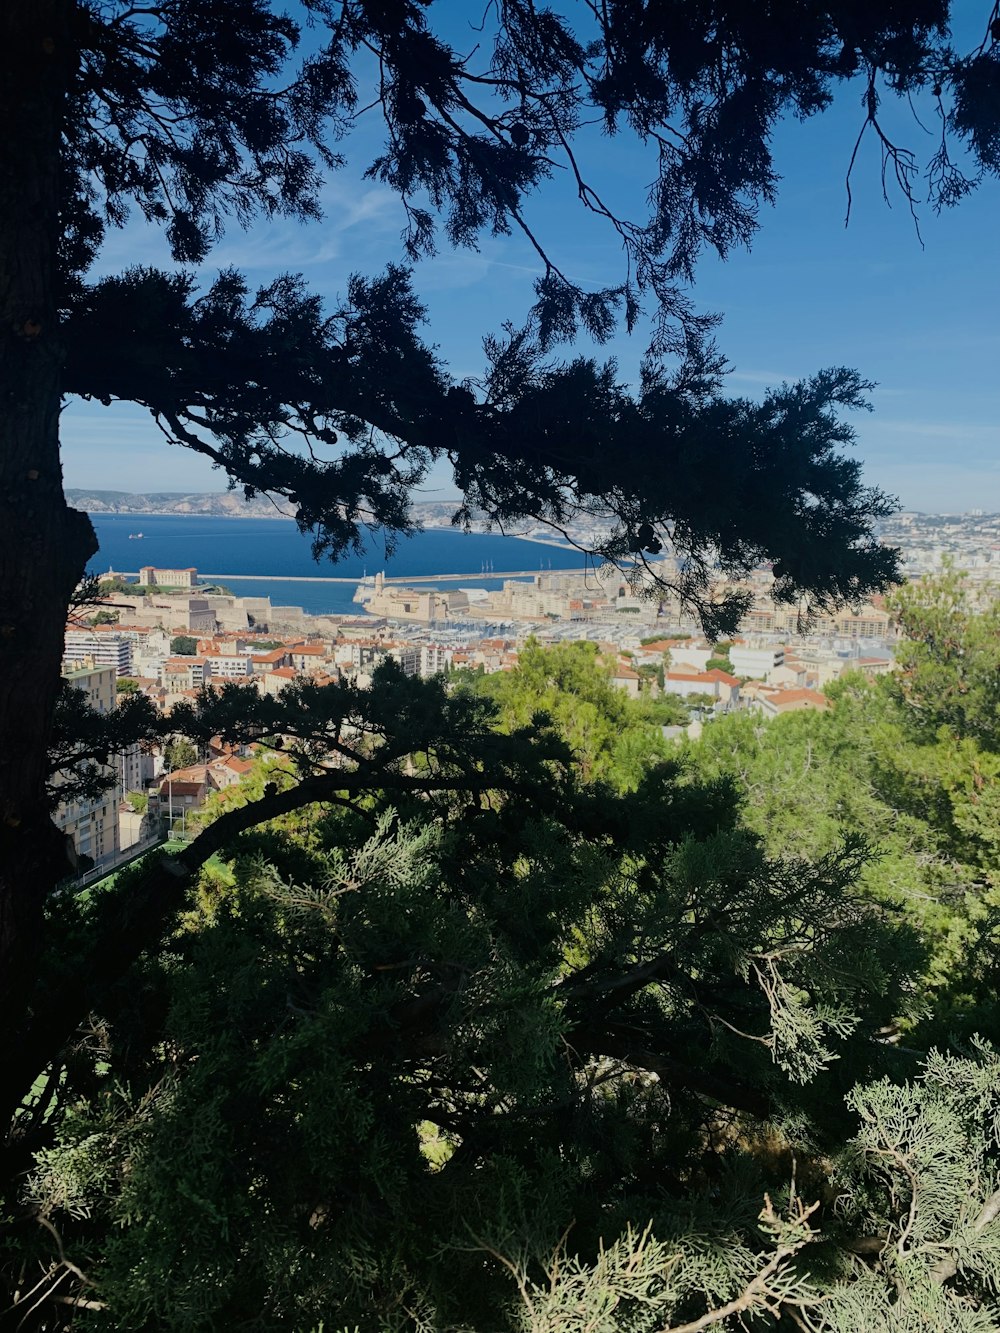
434	659
690	656
626	679
719	685
756	663
92	822
99	647
355	653
228	666
408	657
136	770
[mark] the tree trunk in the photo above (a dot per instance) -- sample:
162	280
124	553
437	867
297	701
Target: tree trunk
44	545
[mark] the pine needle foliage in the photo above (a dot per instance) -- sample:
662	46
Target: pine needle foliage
383	1063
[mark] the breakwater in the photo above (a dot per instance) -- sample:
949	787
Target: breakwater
404	579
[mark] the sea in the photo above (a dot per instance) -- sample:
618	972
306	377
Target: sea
265	557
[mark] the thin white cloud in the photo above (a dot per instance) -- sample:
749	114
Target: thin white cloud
968	432
457	270
761	377
367	213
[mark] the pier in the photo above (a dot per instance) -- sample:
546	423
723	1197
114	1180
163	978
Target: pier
471	578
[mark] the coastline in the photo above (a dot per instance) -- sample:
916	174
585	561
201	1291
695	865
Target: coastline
176	513
560	545
273	560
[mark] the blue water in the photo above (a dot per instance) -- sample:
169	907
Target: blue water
275	547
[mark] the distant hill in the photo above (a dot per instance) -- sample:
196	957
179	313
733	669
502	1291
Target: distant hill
230	504
215	504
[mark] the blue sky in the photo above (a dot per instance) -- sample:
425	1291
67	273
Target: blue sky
921	322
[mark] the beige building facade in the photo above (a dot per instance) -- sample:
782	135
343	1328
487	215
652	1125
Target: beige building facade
426	605
150	576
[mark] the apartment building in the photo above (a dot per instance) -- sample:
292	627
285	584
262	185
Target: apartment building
183	673
689	656
407	655
261	663
626	679
357	653
434	659
276	681
101	645
308	658
228	666
756	663
92	823
870	621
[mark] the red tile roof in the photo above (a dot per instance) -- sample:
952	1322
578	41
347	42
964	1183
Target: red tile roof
723	676
785	698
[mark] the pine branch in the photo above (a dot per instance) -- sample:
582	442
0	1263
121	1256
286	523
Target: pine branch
947	1267
138	917
760	1293
704	1080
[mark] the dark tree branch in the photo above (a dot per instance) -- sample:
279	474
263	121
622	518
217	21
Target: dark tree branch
137	917
704	1080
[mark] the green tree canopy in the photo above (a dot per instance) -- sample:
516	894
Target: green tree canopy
612	738
458	992
908	760
180	753
401	1040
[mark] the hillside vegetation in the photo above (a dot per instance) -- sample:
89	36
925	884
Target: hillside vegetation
624	1035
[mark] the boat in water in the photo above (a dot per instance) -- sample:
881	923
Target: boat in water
135	536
